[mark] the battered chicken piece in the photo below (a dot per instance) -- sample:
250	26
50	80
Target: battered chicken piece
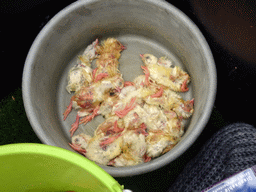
175	78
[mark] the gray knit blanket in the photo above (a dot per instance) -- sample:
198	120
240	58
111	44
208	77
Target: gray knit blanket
231	150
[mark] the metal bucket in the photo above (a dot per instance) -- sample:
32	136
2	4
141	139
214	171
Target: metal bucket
145	26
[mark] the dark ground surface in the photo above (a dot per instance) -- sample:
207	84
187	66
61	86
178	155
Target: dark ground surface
228	27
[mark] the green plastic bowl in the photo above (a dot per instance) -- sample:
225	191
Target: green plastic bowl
40	167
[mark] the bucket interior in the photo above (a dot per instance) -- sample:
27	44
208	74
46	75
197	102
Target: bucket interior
143	27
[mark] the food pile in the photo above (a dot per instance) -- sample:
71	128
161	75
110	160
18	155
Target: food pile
143	118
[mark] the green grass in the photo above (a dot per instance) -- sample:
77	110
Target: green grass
14	125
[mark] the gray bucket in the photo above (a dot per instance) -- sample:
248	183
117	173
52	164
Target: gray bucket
145	26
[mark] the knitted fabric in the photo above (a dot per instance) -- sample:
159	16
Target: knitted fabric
231	150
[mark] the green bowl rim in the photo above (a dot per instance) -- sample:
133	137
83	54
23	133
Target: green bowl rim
63	154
